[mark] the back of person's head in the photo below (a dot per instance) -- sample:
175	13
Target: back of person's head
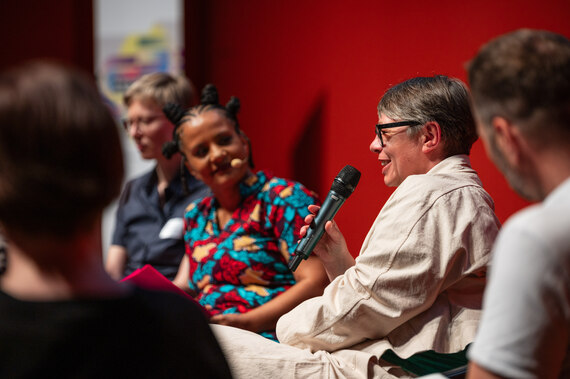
161	88
60	154
524	77
436	98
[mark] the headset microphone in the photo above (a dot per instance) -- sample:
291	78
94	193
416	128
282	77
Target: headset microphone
237	162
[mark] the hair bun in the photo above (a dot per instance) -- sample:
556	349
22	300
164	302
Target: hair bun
209	95
169	149
233	106
174	113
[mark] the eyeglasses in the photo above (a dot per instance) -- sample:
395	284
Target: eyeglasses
380	127
142	121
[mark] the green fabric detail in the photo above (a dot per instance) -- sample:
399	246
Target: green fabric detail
428	362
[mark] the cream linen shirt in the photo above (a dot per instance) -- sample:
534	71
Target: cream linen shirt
417	285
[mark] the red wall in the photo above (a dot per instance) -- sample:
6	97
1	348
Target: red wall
310	74
61	30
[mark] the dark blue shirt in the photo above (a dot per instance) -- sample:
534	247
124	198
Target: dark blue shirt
152	234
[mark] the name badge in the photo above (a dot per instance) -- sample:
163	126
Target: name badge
173	229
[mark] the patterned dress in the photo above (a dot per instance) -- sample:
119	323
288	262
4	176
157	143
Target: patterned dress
244	265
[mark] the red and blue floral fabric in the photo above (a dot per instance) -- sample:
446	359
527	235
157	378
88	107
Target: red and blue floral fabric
244	265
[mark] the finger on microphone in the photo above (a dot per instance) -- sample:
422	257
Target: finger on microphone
314	208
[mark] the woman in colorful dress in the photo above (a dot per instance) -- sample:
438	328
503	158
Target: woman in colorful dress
239	240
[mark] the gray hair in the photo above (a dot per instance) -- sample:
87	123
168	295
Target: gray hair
524	76
437	98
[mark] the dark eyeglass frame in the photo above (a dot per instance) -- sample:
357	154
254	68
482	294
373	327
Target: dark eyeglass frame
380	127
127	123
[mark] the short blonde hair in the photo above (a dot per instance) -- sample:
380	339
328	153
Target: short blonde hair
162	88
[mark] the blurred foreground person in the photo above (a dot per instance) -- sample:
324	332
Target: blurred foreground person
61	315
521	96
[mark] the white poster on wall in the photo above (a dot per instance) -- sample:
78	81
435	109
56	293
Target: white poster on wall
133	38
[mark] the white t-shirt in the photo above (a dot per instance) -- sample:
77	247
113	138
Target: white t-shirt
525	328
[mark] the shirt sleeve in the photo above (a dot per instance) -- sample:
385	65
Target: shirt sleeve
412	253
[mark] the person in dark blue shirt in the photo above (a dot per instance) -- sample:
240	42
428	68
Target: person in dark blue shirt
149	219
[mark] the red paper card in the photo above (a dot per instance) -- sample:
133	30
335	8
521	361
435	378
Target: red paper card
149	278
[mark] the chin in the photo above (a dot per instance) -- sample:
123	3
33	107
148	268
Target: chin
390	183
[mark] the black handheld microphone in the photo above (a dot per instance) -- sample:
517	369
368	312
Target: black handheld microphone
343	185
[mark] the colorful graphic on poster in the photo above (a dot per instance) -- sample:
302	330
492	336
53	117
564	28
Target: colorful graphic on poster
138	55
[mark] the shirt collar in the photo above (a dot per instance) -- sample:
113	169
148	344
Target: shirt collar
254	183
175	185
460	161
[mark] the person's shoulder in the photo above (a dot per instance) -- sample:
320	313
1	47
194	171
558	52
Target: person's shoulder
139	181
441	193
435	187
451	173
535	239
143	178
278	184
200	205
135	185
452	176
197	189
289	191
548	223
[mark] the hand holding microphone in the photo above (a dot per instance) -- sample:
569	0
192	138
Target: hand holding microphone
342	187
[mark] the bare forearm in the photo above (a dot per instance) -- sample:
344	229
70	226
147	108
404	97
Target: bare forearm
116	261
181	278
265	317
311	280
